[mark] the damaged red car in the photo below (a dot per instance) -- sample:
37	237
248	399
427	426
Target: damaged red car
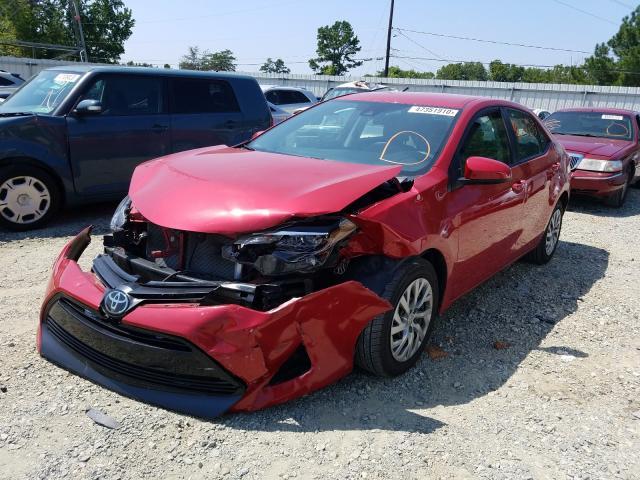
236	278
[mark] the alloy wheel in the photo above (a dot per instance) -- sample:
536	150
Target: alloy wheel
411	319
553	231
24	199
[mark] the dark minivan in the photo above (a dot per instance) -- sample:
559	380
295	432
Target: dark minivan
74	134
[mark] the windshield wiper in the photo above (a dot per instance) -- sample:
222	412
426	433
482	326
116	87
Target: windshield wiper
15	114
581	134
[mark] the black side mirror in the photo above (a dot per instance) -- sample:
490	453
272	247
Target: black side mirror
88	107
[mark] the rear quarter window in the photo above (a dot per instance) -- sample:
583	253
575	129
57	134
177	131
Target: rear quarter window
188	96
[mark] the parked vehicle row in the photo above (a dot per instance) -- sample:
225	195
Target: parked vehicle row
333	238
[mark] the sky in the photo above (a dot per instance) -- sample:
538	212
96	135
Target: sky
256	29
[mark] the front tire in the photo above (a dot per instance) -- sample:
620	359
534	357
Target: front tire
617	199
392	343
29	197
550	239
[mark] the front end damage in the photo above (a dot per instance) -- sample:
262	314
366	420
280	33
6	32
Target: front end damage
211	324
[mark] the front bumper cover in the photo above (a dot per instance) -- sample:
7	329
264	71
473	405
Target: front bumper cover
250	347
598	184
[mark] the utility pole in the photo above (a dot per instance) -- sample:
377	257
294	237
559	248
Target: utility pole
386	61
83	46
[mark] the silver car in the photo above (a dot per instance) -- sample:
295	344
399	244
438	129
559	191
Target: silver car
9	82
289	98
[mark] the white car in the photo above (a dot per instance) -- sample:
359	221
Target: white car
353	87
289	98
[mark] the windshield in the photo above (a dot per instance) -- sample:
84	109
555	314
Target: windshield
590	124
370	133
42	94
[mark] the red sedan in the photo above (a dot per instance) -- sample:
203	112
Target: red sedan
236	278
604	145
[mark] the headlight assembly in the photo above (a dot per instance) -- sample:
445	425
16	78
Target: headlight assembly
121	214
299	248
595	165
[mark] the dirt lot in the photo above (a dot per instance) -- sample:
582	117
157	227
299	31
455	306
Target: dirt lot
561	402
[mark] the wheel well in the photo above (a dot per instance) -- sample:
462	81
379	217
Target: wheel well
440	265
564	198
5	162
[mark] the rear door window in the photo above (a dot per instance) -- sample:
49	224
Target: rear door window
5	82
530	139
189	96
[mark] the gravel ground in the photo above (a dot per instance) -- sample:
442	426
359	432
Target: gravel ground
561	401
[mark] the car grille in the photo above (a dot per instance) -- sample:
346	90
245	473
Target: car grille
575	160
202	254
137	356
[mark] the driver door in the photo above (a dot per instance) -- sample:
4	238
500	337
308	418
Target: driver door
487	217
133	126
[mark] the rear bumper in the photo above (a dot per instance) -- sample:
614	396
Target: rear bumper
248	351
597	184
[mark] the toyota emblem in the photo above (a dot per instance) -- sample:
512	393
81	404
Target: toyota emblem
115	303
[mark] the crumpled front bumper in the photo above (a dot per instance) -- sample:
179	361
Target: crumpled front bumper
249	347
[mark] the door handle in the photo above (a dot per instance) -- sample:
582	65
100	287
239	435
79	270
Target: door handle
159	128
518	187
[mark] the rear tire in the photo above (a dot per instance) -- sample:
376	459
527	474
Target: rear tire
550	238
392	342
29	197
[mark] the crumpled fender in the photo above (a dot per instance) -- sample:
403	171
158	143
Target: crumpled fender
250	344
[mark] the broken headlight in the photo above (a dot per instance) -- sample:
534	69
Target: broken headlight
121	215
300	248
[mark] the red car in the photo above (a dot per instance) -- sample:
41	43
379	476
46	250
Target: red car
236	278
603	144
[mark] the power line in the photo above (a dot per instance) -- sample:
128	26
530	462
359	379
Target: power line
416	43
568	5
495	42
622	4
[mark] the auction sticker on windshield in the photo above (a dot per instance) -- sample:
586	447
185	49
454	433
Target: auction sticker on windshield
448	112
612	117
66	78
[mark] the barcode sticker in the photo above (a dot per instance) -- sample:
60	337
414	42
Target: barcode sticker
612	117
66	78
447	112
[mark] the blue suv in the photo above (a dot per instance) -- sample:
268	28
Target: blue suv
73	135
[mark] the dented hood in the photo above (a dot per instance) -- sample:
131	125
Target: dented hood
233	190
605	147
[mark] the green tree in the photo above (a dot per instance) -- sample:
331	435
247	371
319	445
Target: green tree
222	61
107	25
505	72
397	72
192	60
274	66
462	71
625	46
337	44
601	67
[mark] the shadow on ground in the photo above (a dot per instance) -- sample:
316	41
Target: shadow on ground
68	222
521	305
594	206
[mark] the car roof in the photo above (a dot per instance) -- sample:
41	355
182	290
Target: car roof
84	68
445	100
281	87
615	111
